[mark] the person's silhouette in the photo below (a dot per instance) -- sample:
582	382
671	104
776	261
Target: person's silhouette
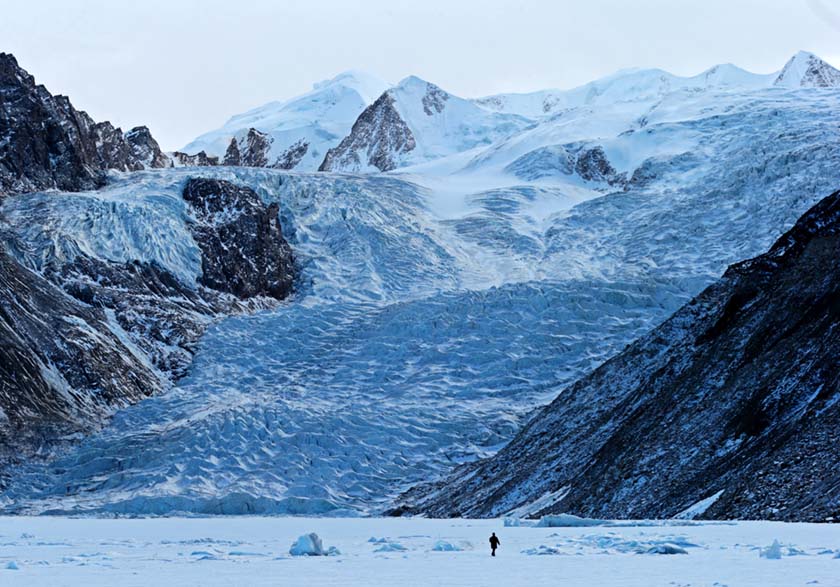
494	544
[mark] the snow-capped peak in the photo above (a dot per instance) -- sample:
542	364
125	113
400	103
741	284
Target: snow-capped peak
806	70
415	122
299	131
367	85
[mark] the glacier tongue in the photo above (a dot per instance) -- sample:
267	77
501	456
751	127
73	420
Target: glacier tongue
430	320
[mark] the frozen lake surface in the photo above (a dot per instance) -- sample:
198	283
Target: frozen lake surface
53	551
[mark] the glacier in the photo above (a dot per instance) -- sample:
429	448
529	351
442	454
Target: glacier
438	305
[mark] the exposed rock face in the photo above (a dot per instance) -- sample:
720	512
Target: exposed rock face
200	159
737	393
63	364
434	100
145	148
164	316
249	151
592	165
806	70
379	135
46	143
243	249
292	156
589	162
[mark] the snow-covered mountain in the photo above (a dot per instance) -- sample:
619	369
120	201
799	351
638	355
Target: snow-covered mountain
436	307
806	70
625	85
416	122
297	132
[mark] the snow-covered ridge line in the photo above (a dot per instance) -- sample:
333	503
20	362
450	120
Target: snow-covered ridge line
337	126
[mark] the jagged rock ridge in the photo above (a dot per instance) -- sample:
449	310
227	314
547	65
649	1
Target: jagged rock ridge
736	396
45	143
379	135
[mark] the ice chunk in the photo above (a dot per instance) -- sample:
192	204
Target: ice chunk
542	550
774	551
311	545
518	523
391	547
568	521
666	548
444	546
12	566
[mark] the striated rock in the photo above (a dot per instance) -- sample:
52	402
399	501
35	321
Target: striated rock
45	143
63	364
734	400
242	245
378	135
200	159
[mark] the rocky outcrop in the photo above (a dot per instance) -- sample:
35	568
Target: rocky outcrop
242	245
249	151
200	159
290	158
145	148
45	143
377	139
590	163
735	398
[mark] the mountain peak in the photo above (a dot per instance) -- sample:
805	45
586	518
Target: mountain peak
806	70
366	84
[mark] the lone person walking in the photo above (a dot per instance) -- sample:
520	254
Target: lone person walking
494	544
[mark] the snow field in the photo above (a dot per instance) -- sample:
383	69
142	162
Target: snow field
255	551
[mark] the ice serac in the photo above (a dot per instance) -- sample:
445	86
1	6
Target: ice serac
242	246
738	394
46	143
806	70
296	133
416	122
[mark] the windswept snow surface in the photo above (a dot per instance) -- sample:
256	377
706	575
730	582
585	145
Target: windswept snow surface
255	551
437	307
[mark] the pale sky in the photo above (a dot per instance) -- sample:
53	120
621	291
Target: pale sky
183	67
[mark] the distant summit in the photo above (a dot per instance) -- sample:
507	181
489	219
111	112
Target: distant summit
806	70
296	133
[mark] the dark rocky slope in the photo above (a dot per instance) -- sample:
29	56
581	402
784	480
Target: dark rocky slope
46	143
82	338
738	393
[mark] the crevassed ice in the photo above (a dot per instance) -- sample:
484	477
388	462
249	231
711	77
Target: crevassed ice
416	340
